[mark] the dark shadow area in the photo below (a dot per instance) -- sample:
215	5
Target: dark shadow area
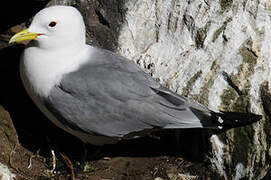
191	144
30	124
17	12
103	20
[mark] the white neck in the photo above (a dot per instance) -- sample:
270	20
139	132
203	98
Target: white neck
44	69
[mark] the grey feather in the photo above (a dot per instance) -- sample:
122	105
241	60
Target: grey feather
112	96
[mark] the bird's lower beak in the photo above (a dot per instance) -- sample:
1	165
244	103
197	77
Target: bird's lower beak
23	35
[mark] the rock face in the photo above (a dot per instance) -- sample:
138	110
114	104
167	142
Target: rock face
5	174
214	51
190	46
8	135
9	141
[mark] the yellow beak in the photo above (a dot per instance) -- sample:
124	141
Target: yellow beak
23	35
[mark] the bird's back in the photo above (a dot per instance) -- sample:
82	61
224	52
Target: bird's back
112	96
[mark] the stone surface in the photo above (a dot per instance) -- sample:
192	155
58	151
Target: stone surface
9	141
189	46
8	135
5	174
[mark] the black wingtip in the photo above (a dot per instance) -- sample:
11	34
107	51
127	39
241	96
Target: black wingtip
236	119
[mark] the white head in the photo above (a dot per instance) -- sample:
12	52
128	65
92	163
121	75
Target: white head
55	27
60	35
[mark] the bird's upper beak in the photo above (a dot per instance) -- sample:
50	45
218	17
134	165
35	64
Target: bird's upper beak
23	35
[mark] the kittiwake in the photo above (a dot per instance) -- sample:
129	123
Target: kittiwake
97	95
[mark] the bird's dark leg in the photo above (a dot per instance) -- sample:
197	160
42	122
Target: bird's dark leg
88	156
177	138
54	152
83	157
192	143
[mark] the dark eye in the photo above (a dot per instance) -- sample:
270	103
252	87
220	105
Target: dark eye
52	24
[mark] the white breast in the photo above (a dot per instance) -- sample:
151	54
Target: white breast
45	69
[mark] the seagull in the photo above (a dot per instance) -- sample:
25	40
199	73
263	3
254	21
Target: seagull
97	95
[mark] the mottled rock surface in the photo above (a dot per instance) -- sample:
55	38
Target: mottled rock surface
5	173
190	46
9	141
216	52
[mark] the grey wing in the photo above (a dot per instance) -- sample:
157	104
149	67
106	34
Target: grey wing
112	96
